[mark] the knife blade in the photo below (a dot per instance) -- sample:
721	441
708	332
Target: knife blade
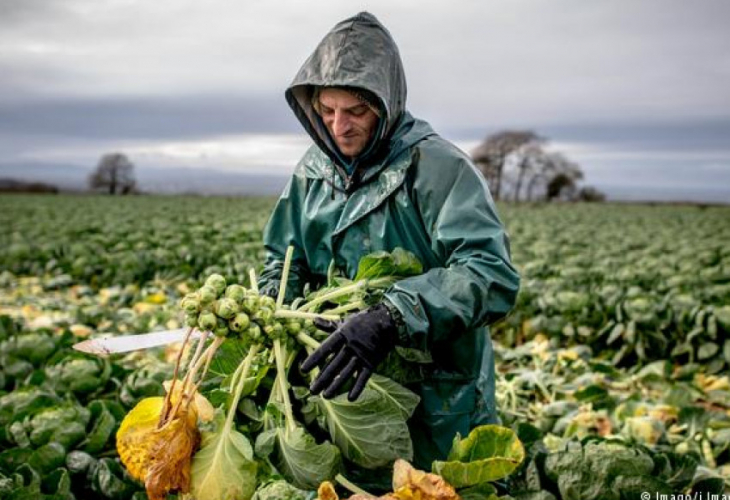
104	346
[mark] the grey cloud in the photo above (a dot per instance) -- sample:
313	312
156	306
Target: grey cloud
147	118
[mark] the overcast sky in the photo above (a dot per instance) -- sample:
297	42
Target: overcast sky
636	91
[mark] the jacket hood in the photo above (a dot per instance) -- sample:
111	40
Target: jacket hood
358	53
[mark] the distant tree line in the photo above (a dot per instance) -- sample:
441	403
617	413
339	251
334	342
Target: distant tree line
518	167
16	186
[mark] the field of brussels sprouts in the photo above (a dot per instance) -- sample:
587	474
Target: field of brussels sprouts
612	369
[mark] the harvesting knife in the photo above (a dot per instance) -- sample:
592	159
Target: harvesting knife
126	343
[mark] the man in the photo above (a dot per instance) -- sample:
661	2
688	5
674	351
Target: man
375	179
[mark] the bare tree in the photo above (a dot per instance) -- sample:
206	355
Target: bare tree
563	183
114	173
530	159
493	153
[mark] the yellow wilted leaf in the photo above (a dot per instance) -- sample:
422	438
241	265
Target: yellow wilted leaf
133	436
413	484
144	307
327	492
156	298
80	330
171	453
158	457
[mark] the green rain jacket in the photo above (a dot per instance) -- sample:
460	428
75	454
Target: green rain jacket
411	189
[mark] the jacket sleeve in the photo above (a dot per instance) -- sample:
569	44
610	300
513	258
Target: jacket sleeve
477	284
282	230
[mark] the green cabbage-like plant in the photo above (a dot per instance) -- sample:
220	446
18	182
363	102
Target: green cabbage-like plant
488	453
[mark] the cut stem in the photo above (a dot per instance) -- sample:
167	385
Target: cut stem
252	279
307	341
359	304
246	367
166	404
283	313
352	487
281	377
334	294
284	277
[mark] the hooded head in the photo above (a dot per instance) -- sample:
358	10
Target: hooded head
357	56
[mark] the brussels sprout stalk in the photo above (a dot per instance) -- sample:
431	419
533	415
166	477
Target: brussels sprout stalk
166	404
352	306
280	354
283	313
345	483
284	277
335	294
245	368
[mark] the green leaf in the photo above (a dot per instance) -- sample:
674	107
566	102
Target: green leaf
383	264
404	399
63	424
588	472
371	431
58	485
25	402
484	491
110	480
79	462
13	458
104	425
281	490
47	457
707	350
224	466
488	453
302	461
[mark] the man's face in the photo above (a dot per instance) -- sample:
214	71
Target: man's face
350	122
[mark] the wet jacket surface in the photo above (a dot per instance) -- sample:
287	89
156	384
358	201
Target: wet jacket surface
414	190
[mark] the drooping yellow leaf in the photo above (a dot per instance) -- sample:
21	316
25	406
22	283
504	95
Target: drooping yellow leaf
171	453
326	491
410	483
161	457
134	436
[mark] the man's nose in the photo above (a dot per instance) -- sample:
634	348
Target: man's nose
342	123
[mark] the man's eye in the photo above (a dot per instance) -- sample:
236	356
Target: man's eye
327	111
359	111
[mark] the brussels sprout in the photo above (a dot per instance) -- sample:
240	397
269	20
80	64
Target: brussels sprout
268	302
207	321
218	283
309	326
293	326
191	320
275	330
254	332
251	304
225	308
264	316
207	295
240	322
236	292
221	329
190	303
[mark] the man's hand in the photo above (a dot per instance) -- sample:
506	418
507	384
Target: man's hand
353	350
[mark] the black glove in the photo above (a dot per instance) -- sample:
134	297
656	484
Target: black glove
270	289
354	348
